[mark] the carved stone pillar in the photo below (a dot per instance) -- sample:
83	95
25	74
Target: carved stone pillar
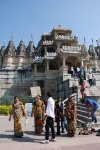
35	68
45	50
82	63
85	67
96	65
58	45
47	65
63	60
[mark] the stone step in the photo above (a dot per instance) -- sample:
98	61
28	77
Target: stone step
85	109
83	118
82	123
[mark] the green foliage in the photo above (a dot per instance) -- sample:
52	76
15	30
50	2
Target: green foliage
26	99
5	109
5	101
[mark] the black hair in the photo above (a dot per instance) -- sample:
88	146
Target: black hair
58	97
49	94
38	95
15	97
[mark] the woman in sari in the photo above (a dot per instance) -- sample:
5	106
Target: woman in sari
70	110
38	113
81	79
17	112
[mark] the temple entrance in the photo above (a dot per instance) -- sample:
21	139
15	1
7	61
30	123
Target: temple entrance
73	63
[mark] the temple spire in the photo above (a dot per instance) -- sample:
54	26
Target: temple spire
32	37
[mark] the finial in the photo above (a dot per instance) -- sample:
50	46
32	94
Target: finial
23	37
4	41
92	41
84	41
12	36
32	37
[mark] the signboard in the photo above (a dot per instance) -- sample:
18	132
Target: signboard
35	91
28	109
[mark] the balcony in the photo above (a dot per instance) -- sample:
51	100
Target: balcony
48	42
64	37
51	55
38	59
73	49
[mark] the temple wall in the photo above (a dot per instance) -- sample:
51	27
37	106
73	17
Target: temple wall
15	83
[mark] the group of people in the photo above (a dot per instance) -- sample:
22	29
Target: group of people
76	71
52	111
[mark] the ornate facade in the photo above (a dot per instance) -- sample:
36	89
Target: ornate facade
45	66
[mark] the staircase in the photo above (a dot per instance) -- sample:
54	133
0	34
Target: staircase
94	93
83	118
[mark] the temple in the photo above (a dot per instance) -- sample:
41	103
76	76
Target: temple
47	65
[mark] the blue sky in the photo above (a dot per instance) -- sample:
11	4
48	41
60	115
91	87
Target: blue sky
40	16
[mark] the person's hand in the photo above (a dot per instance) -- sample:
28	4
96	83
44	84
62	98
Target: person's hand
45	116
10	118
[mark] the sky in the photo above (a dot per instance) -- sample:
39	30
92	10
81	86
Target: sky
21	18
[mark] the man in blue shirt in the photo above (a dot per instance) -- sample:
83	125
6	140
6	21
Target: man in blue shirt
93	105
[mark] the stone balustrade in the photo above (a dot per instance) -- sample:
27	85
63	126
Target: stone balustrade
51	55
48	42
60	28
64	37
72	47
38	59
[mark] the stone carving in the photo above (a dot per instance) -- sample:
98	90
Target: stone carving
92	51
31	48
21	49
97	49
10	50
2	50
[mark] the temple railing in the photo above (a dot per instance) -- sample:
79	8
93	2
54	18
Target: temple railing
51	55
73	49
64	37
48	42
38	59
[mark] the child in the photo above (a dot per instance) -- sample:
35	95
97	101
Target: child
63	121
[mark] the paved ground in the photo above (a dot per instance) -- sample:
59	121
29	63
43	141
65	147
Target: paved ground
31	141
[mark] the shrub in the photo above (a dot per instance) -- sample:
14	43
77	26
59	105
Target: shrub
5	101
28	99
5	109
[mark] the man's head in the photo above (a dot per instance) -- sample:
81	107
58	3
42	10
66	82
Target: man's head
49	94
59	99
70	98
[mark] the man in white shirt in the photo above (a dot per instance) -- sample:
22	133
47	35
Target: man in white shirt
90	77
49	118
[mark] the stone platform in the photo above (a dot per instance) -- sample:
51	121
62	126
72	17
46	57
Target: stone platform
31	141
